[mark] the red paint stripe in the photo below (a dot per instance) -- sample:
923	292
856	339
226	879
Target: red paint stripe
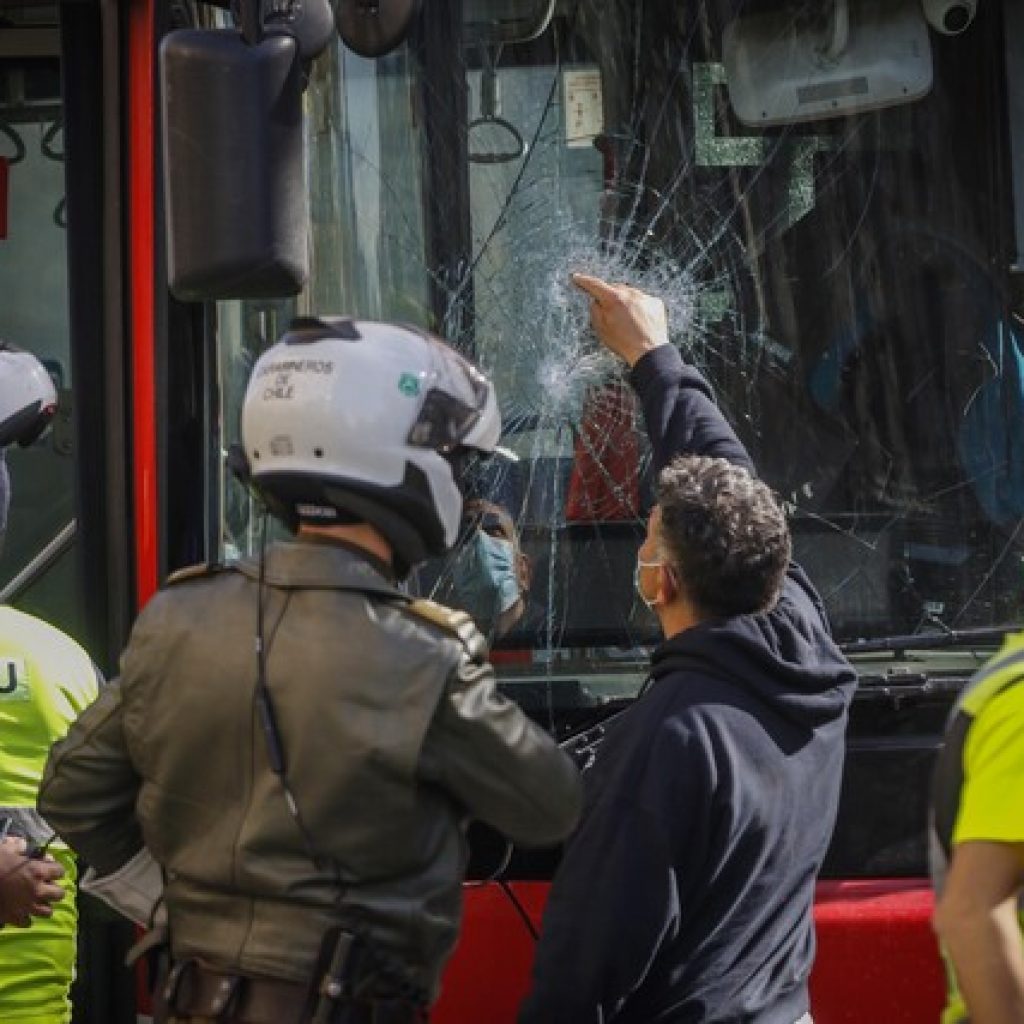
142	116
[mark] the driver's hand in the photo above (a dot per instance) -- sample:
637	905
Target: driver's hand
28	886
627	321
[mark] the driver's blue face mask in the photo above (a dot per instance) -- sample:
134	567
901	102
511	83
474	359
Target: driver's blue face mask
485	578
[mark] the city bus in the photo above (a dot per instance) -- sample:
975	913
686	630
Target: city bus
828	196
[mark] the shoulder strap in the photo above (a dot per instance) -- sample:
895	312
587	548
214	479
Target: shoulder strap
452	620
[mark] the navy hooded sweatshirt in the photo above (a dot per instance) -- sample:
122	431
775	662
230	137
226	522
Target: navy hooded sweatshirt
686	894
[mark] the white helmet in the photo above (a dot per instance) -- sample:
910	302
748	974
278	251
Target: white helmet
349	420
28	398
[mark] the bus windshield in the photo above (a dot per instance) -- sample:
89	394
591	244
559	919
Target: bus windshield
829	197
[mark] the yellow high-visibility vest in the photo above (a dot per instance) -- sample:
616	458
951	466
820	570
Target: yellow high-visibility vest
979	779
46	681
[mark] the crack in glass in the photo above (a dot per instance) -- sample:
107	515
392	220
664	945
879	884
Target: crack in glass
842	282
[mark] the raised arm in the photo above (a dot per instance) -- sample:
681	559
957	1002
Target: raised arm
678	405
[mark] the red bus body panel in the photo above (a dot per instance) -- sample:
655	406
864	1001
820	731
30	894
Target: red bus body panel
877	957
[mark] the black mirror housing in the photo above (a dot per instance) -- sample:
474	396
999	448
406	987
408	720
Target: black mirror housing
373	29
234	183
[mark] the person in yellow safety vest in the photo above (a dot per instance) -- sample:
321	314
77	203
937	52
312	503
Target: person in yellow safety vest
46	680
977	844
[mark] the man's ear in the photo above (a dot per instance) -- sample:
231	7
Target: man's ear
524	571
668	584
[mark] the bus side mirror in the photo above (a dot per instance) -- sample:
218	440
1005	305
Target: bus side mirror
234	184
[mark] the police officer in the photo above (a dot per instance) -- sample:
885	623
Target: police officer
977	844
46	680
306	794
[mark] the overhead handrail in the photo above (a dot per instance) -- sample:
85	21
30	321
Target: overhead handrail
35	568
490	115
47	148
46	145
15	138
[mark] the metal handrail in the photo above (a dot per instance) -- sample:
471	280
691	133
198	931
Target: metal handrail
39	564
19	147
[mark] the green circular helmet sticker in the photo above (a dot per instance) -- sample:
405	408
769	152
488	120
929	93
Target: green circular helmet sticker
409	385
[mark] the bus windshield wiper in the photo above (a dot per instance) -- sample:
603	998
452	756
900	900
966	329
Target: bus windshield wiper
929	641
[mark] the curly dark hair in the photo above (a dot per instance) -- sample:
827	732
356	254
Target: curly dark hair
725	533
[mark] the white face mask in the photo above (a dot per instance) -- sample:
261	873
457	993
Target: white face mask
641	564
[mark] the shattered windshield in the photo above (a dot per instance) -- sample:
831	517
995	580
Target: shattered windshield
825	197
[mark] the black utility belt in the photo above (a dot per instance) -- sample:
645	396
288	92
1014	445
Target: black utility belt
196	989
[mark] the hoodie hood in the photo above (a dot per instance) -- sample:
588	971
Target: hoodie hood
786	657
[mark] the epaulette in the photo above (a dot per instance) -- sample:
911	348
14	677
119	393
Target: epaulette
451	620
193	572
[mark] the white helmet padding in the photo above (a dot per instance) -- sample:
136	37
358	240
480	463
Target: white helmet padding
351	420
28	398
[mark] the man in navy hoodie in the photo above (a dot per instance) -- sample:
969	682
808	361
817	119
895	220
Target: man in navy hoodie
686	894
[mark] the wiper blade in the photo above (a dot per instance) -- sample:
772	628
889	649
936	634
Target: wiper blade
929	641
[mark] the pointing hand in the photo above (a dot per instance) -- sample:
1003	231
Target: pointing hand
628	321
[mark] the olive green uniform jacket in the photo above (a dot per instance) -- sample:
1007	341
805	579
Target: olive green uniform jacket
394	734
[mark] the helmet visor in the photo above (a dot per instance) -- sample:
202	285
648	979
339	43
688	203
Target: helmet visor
444	420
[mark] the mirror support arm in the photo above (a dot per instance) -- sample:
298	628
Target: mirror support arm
251	21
